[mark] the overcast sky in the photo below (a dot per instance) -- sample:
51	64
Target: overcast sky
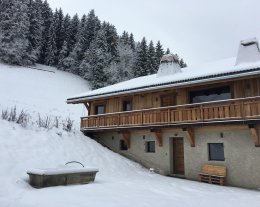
198	30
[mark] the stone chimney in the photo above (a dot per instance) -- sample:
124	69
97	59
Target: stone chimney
248	51
169	65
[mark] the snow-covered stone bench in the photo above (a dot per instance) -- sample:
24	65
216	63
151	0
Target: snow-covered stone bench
40	178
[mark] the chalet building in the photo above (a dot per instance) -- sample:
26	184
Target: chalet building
177	120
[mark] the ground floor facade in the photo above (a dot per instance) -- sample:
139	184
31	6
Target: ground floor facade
228	145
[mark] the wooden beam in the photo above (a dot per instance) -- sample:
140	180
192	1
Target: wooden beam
190	135
254	134
159	137
126	137
87	105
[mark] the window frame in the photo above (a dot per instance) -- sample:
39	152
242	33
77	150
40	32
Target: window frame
99	105
210	87
148	147
210	158
123	145
127	100
172	94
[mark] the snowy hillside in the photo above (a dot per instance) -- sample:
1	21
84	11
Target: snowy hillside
119	182
43	90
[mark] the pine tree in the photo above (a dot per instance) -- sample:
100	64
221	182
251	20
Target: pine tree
159	53
112	41
73	31
122	70
66	27
177	58
59	33
51	50
124	38
141	68
96	62
182	63
63	54
168	51
152	64
132	41
14	28
89	27
35	29
47	16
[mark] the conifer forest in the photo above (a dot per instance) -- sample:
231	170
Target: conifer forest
31	32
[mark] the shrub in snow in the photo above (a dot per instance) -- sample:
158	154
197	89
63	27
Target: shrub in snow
12	115
67	124
23	119
48	122
56	123
44	122
5	114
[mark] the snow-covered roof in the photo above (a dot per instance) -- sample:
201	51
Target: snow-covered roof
218	70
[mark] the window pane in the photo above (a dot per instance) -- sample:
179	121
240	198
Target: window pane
216	151
123	145
150	146
100	109
213	94
127	105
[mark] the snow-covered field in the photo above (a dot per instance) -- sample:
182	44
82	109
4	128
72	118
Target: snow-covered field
120	182
41	91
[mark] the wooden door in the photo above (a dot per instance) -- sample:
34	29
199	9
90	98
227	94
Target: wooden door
178	156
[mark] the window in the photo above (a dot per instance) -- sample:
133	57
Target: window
150	146
127	105
213	94
216	151
100	109
168	100
123	145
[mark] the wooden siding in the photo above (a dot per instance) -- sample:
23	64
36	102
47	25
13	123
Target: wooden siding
239	89
229	110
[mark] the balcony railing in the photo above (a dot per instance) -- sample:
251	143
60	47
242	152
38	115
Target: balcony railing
228	110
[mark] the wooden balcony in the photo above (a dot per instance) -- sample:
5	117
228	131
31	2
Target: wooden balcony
232	110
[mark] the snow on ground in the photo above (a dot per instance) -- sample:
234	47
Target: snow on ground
119	182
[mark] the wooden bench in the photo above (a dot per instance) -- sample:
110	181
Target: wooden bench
213	174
